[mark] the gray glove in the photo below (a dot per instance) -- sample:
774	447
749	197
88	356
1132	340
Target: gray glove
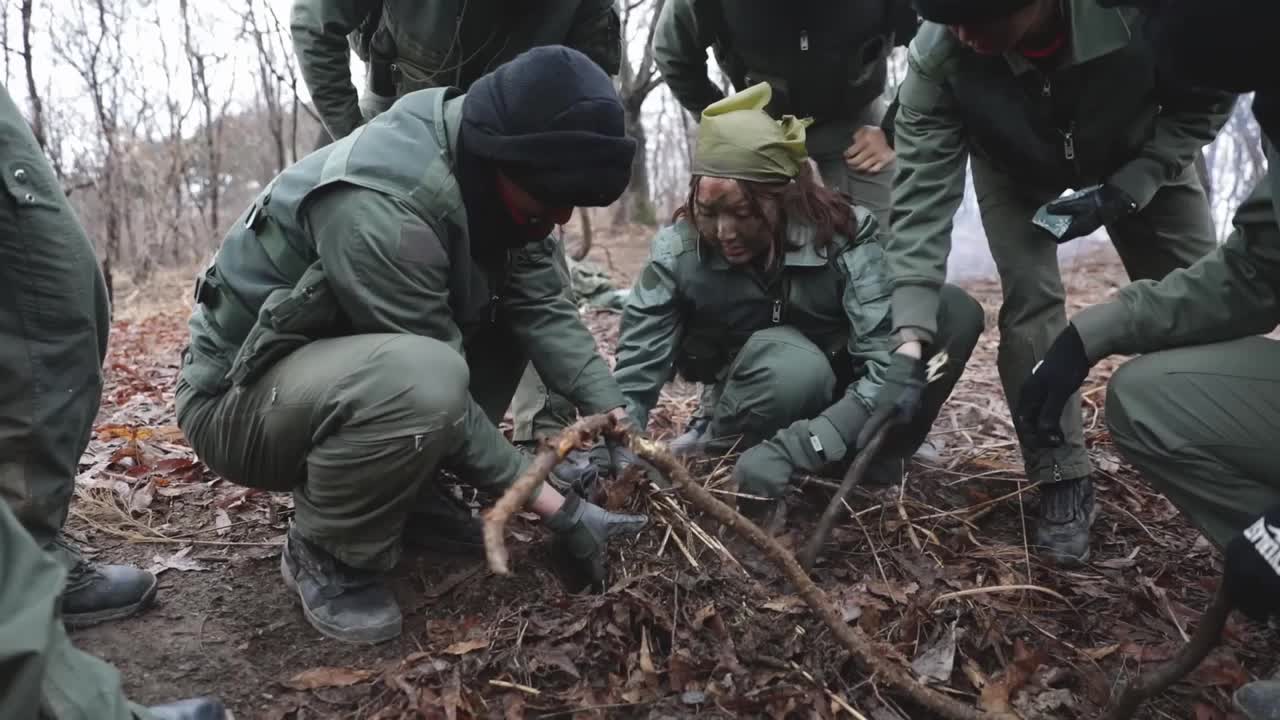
582	532
373	105
621	458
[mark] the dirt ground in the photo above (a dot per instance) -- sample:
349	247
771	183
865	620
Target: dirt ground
686	629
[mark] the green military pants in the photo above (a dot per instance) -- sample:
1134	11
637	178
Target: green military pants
353	426
780	377
537	412
1200	423
43	674
54	321
1174	230
827	142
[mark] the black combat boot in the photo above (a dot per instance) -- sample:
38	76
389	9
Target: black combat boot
342	602
193	709
1066	514
440	521
99	593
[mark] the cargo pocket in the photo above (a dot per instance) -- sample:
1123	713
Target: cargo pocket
289	319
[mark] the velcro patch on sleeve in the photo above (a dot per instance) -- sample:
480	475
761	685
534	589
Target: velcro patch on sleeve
420	245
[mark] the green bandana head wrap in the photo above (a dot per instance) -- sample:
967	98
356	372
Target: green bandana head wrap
738	139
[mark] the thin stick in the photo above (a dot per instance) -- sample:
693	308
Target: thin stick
517	496
862	648
851	479
1147	685
996	589
515	686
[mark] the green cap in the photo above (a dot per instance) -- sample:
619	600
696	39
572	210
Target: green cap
738	139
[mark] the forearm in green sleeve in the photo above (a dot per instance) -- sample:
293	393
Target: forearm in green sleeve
647	340
931	154
547	324
485	458
1179	136
319	29
1232	292
680	51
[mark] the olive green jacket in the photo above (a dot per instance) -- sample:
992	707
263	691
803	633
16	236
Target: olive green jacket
1232	292
397	259
691	311
823	60
434	43
1099	117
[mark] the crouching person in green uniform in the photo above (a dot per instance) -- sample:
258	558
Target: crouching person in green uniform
1197	414
1042	96
774	288
366	321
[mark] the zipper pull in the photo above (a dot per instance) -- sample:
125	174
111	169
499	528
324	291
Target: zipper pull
493	309
1069	145
777	311
804	41
1046	90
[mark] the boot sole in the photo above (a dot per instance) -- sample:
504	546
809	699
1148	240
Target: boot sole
76	621
367	636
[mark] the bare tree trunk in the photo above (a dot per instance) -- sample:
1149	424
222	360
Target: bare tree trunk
33	95
636	82
637	206
213	158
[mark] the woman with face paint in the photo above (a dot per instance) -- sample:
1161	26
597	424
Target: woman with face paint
774	288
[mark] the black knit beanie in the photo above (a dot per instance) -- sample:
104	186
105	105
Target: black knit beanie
959	12
551	120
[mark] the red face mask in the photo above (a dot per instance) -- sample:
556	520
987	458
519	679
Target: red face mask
532	227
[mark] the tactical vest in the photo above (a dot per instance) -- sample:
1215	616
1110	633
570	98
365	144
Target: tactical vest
826	60
723	306
265	293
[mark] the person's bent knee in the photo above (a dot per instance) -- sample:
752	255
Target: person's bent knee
783	358
965	318
412	379
1131	389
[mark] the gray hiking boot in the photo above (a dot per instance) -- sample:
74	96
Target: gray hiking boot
691	441
440	521
1259	700
342	602
1066	514
100	593
193	709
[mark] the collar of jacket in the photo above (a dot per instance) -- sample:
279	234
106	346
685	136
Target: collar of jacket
800	237
1093	31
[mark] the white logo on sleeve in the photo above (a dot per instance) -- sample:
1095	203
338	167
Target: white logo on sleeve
1266	540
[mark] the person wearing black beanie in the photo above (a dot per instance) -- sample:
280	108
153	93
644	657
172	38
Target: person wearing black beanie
541	135
366	321
1196	413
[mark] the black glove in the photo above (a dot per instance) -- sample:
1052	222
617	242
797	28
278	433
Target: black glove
582	532
1089	210
1252	572
899	397
1044	395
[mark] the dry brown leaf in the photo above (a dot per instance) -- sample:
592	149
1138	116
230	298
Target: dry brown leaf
325	677
1100	652
995	696
462	647
221	521
785	604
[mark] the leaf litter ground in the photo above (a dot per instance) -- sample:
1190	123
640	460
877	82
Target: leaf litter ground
696	623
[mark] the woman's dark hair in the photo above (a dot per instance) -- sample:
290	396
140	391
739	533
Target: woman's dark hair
806	200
